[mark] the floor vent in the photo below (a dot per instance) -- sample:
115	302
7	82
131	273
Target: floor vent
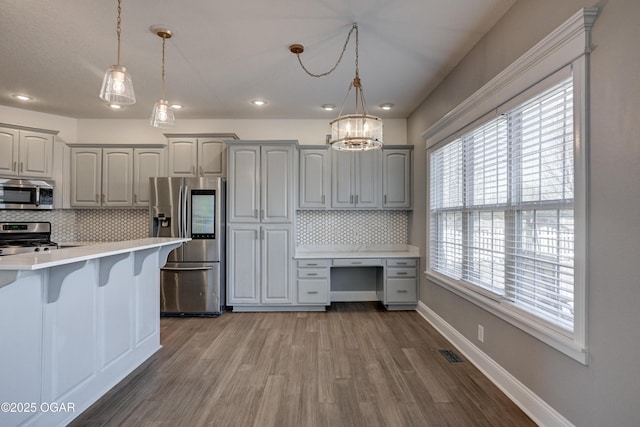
451	356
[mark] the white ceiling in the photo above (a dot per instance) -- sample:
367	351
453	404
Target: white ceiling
226	53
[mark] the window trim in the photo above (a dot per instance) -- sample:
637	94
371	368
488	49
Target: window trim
568	45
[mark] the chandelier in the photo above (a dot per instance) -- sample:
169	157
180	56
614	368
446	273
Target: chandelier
351	132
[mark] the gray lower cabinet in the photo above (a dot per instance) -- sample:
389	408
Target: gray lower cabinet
312	278
400	283
258	265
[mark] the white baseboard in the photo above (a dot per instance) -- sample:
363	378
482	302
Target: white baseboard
536	408
349	296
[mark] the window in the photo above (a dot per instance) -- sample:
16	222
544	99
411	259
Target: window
507	191
501	207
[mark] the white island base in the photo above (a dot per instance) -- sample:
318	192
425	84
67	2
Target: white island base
75	322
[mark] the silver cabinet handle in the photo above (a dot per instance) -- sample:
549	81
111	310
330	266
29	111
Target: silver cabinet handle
97	198
322	199
312	292
356	199
193	169
186	268
402	291
351	199
255	213
261	213
135	198
14	166
21	167
314	264
402	273
356	262
201	174
103	197
402	263
384	198
312	274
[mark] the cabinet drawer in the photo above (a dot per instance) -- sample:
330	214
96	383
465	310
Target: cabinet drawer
318	273
356	262
313	263
402	262
313	291
401	272
401	291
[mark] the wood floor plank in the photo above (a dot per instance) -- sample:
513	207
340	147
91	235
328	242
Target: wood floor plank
354	365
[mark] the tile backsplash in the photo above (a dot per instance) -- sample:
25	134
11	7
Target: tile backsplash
313	227
88	225
352	227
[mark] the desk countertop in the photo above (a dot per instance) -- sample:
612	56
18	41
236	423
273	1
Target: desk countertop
357	251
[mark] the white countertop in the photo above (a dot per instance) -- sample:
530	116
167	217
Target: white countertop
357	251
40	260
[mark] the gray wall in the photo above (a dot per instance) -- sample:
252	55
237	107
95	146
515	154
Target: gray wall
607	391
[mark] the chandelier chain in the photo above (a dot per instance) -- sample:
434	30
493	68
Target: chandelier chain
344	48
118	28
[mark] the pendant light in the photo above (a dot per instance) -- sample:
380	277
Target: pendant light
117	87
351	132
162	115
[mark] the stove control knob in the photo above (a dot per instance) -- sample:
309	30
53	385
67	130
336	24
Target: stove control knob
45	249
37	249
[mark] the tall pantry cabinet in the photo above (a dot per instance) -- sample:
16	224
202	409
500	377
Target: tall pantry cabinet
260	212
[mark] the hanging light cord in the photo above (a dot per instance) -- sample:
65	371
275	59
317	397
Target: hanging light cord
118	29
163	72
344	48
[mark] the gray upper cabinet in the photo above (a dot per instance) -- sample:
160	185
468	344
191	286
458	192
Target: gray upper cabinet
197	156
397	177
315	178
147	162
261	183
26	153
355	179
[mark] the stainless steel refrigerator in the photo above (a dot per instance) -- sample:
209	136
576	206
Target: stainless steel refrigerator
193	280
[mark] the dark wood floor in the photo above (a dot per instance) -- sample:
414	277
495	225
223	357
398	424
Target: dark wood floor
355	365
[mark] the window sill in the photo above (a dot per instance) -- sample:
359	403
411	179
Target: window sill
516	317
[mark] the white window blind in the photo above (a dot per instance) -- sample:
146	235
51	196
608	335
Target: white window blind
501	206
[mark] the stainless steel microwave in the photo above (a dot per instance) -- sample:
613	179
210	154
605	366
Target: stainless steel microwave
26	194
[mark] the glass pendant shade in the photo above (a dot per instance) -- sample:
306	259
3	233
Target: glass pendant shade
356	132
117	87
162	115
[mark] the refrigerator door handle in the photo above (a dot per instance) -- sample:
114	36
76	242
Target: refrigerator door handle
186	268
180	213
184	210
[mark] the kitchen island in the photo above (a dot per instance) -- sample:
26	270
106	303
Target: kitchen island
73	323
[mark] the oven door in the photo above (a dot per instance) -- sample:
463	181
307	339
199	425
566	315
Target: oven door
191	289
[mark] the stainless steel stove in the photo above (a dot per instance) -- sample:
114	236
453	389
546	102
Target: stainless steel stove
25	237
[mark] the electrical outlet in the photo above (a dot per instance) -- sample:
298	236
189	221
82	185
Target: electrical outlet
480	333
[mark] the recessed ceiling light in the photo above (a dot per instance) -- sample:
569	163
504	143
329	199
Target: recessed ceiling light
115	106
387	106
259	102
175	106
328	107
22	97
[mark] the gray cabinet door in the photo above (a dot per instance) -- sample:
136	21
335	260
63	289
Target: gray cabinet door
276	184
243	264
117	177
147	162
183	156
36	154
367	179
276	264
86	177
9	144
396	178
342	181
243	196
211	157
315	179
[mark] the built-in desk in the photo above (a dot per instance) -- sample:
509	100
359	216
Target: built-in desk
393	268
